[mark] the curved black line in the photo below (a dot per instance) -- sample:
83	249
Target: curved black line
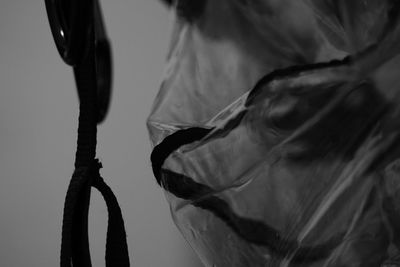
280	73
172	143
253	231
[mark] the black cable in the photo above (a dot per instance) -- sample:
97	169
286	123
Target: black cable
75	241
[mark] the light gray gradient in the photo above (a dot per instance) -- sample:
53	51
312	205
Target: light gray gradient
38	121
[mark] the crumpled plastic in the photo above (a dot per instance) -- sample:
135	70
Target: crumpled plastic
276	132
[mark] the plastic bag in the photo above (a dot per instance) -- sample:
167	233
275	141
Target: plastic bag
276	132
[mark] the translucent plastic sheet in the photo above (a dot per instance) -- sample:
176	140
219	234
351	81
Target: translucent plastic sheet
276	132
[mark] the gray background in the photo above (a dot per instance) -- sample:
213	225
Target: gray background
38	121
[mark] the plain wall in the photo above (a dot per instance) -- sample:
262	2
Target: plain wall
38	122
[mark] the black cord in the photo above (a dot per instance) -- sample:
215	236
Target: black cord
75	241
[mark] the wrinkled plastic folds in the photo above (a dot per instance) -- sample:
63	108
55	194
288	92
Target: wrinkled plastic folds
299	164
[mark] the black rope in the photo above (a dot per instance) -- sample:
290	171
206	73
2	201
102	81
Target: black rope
75	241
117	253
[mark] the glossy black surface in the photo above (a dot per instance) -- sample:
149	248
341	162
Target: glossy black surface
71	23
